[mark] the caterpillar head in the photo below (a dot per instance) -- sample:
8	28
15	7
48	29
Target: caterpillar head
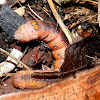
26	33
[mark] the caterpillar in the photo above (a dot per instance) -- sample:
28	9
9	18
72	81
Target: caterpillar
47	32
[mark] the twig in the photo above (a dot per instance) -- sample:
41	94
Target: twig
32	15
92	2
65	29
19	3
34	12
95	59
99	12
3	51
46	12
25	50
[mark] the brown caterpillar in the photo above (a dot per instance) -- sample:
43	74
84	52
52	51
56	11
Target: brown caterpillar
47	32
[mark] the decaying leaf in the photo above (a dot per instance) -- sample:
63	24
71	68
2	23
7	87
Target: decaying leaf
78	55
20	11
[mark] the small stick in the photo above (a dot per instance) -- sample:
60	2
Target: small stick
92	2
3	51
25	50
99	12
46	12
19	3
32	15
34	12
65	29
